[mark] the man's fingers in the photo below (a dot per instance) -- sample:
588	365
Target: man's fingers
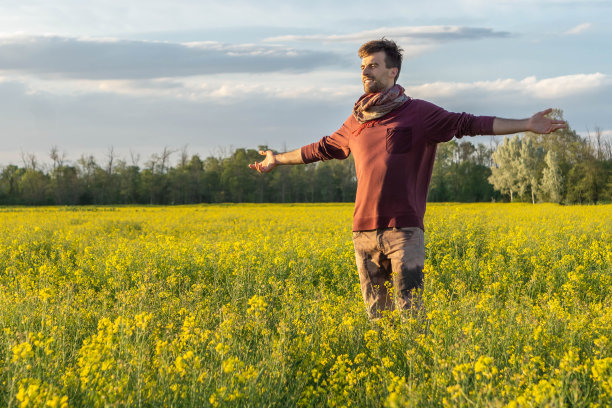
260	166
546	112
256	166
545	124
557	124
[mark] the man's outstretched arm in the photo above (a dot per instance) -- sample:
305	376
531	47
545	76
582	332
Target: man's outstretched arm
538	123
272	160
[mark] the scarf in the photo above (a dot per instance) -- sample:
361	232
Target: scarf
377	105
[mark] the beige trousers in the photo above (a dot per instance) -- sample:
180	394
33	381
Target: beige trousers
390	264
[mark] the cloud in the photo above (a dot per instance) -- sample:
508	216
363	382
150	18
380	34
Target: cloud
317	85
434	33
145	116
584	98
227	91
548	88
579	29
33	122
606	134
94	58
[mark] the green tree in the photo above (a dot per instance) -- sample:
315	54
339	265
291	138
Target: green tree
65	185
505	174
212	190
529	168
587	182
130	183
86	171
34	185
439	187
9	184
345	179
195	179
552	178
178	180
239	181
565	143
155	184
325	187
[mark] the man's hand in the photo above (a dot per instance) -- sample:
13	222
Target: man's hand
272	160
266	164
539	123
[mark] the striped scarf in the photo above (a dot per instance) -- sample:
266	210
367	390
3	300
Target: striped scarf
377	105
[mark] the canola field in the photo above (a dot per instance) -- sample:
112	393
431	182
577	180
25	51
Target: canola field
259	305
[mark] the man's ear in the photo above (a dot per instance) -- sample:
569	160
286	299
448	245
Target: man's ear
393	72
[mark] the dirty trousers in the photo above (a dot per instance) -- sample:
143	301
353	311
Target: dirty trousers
390	264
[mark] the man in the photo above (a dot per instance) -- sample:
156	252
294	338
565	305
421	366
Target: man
393	140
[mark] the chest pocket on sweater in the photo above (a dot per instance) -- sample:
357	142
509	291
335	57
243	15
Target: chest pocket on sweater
399	140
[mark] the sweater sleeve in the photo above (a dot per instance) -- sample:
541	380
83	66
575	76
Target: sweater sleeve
335	146
442	126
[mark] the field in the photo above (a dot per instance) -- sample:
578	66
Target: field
259	305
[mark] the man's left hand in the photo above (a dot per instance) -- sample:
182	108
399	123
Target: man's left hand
540	123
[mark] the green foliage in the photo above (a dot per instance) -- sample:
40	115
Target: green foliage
191	180
559	167
552	179
460	174
505	175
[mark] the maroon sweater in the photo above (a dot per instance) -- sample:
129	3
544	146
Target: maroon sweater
394	159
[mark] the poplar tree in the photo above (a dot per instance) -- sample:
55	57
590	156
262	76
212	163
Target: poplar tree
505	173
552	178
529	168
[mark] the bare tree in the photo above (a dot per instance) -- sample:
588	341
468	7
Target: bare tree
29	160
601	146
606	145
184	159
165	159
110	155
134	158
57	157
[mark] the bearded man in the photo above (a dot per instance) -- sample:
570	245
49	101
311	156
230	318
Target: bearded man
393	140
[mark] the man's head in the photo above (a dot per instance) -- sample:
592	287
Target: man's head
381	61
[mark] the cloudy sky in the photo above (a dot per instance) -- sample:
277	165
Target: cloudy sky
209	76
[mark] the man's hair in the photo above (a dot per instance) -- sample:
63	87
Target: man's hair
393	53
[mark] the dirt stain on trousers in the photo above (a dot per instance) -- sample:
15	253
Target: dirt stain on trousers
390	263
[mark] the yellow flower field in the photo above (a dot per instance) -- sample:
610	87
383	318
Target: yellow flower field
259	305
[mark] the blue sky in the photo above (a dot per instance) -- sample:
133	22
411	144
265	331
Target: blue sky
139	76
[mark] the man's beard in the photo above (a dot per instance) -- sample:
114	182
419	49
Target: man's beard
373	87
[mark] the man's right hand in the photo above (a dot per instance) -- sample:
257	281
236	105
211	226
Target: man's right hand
266	164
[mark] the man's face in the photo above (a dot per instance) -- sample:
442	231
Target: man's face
375	75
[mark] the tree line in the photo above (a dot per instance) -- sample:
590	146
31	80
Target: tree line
192	179
563	167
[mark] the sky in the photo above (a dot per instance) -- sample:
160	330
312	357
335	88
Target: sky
206	77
